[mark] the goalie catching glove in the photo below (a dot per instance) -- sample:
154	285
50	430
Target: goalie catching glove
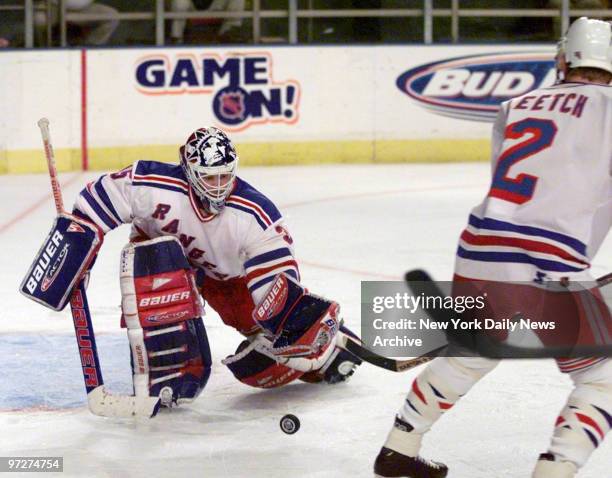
298	340
162	312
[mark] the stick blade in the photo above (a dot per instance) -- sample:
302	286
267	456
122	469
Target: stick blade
105	404
417	275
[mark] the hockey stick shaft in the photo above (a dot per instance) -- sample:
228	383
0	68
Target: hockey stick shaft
99	401
43	124
394	365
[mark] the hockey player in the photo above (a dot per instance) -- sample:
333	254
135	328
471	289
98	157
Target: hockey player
235	240
547	212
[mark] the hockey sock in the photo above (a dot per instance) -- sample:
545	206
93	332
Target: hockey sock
439	387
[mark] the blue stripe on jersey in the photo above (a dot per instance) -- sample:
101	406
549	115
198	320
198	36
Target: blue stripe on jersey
98	209
497	225
106	200
167	187
257	285
78	213
267	257
262	282
246	191
249	211
543	264
174	171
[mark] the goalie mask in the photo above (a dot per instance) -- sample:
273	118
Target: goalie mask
209	161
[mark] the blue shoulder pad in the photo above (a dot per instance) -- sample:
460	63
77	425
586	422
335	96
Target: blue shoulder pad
63	258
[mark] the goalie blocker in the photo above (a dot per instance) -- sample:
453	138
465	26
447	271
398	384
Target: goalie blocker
162	313
64	257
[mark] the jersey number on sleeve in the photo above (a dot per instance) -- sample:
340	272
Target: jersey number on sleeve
520	189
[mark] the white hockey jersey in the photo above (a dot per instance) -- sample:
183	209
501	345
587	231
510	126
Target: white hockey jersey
549	206
246	240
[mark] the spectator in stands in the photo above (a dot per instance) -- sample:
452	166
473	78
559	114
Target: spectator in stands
92	32
4	43
576	4
226	30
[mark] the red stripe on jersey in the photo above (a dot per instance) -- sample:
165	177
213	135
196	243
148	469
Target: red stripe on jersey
559	421
526	244
417	392
445	406
251	205
202	215
259	272
592	423
161	179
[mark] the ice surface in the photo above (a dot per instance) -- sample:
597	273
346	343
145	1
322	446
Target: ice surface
349	223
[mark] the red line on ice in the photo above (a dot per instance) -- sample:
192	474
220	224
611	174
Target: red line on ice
377	193
363	195
26	212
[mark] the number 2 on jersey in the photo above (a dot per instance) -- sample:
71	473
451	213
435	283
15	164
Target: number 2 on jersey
520	189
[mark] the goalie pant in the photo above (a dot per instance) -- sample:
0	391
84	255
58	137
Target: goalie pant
162	311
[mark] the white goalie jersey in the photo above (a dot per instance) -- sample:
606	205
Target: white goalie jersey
246	240
549	206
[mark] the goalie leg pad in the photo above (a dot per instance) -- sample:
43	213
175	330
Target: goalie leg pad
179	357
258	370
65	255
161	310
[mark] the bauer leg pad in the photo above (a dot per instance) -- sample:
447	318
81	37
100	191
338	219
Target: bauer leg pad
161	310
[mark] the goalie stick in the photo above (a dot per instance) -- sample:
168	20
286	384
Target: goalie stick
351	344
99	400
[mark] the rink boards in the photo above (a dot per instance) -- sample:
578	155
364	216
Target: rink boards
282	105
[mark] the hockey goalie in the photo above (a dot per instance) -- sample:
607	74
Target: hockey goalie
200	234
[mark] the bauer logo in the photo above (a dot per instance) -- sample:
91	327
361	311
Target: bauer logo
275	300
55	269
43	261
472	87
240	89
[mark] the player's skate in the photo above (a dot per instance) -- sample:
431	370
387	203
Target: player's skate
391	464
399	458
548	467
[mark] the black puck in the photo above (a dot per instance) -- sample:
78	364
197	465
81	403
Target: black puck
290	424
